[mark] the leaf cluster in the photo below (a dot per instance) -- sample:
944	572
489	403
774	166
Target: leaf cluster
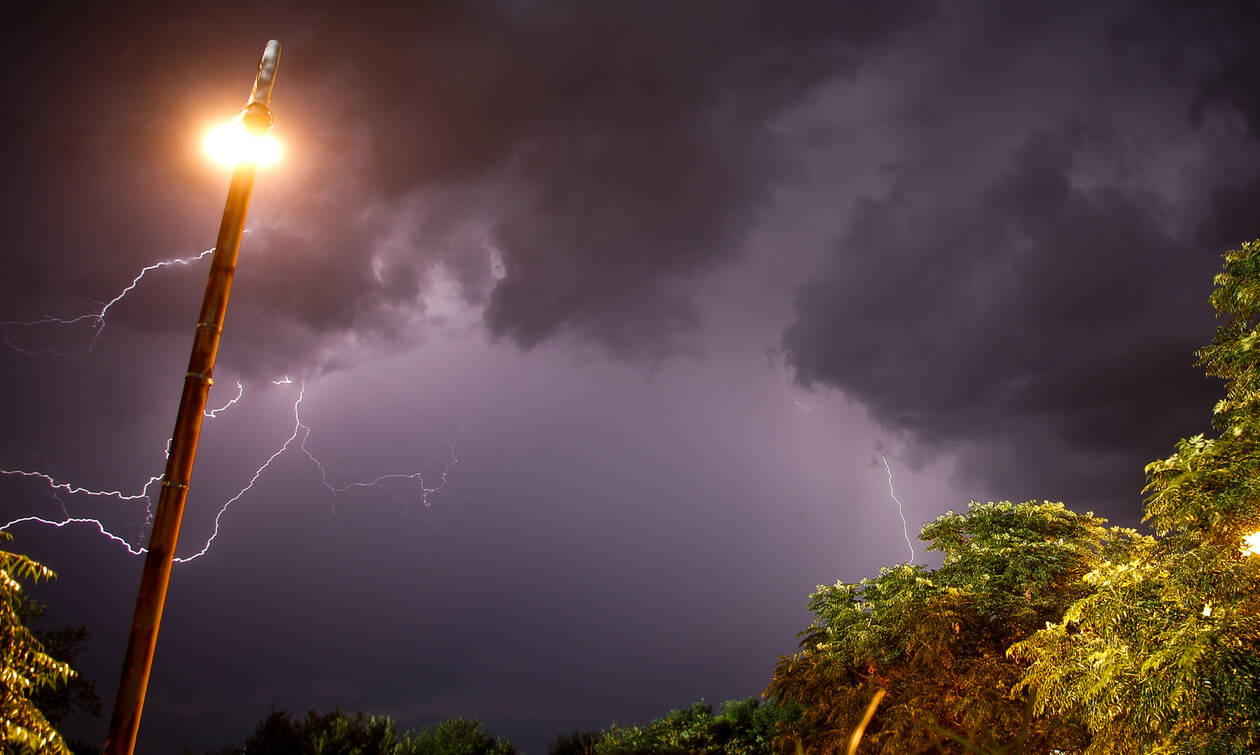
936	640
25	668
741	727
341	733
1164	655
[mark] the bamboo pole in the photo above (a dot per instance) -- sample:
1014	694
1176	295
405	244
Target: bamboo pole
154	580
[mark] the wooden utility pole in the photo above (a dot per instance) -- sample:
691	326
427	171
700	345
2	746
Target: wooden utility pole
124	725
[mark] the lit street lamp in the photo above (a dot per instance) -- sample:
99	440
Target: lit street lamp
251	131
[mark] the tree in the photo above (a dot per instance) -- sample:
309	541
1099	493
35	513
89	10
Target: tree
741	727
341	733
1164	656
323	734
455	737
936	640
25	668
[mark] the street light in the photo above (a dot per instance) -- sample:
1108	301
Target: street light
253	123
232	143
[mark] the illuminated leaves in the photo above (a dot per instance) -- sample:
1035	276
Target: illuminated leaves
741	727
936	640
1164	656
24	666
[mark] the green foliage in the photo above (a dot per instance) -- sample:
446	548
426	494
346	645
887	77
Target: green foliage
455	737
320	734
1164	656
25	668
936	640
340	733
742	727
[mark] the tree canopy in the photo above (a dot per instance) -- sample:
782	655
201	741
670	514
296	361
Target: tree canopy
936	640
741	727
1164	655
340	733
25	668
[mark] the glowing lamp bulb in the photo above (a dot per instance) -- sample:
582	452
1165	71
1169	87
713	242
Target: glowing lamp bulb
231	144
1251	544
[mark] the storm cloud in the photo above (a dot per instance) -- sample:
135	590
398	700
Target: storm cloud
1030	296
570	168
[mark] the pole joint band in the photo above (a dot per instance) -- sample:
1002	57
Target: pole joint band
209	326
209	380
169	484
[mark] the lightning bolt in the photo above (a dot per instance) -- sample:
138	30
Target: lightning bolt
298	427
73	489
80	520
901	512
299	436
97	318
240	392
417	477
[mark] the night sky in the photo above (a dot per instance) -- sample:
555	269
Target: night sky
671	281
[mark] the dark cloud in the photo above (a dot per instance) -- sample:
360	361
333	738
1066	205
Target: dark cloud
1205	45
659	164
635	145
1030	293
1038	324
570	167
1207	50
